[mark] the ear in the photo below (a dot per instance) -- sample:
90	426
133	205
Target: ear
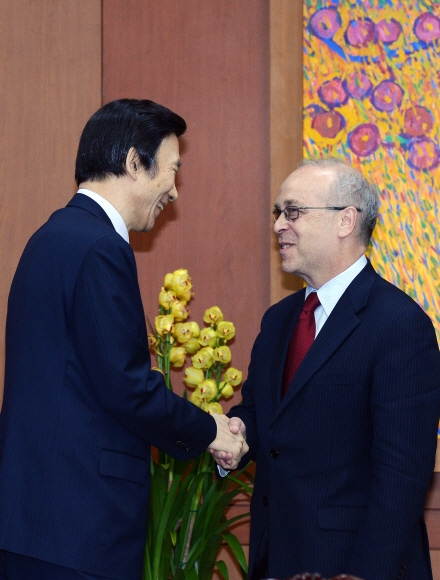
348	221
133	165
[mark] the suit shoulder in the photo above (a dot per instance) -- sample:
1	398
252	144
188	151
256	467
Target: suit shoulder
394	302
285	305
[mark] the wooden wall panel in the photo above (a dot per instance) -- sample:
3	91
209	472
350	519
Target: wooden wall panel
50	83
285	120
208	61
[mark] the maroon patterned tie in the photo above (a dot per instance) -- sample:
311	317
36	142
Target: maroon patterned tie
302	339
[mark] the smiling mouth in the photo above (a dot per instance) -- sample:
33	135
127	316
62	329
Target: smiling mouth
160	205
285	246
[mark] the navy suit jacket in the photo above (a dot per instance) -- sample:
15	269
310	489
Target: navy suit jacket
344	461
81	404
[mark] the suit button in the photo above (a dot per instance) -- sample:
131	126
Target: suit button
274	453
265	501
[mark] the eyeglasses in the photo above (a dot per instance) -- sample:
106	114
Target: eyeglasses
291	212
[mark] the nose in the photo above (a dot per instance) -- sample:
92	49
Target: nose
173	195
281	224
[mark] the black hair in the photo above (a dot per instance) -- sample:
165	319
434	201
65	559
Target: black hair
115	128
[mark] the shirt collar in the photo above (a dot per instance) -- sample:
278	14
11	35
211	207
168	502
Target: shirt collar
112	213
332	290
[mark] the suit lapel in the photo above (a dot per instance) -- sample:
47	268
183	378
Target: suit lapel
284	336
339	325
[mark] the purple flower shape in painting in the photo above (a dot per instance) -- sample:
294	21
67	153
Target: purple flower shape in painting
332	93
388	31
325	23
328	124
418	121
427	27
364	139
358	85
360	32
423	153
387	96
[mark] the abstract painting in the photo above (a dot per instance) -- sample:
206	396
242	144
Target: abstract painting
372	97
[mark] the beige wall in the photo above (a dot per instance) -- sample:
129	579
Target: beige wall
50	83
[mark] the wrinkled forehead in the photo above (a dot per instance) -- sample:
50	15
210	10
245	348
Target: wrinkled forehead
306	186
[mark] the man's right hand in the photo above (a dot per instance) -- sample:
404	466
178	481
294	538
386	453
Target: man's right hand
228	447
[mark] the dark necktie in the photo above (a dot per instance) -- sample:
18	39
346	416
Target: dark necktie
302	339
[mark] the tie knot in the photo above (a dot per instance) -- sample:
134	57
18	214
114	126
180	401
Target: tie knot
311	303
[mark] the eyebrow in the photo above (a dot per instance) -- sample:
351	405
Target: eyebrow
286	203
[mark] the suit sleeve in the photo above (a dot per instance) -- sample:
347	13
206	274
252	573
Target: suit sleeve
405	408
246	410
111	339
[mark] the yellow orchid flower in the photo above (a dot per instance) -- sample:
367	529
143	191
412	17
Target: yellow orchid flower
233	376
179	310
226	390
177	356
203	359
180	283
213	315
164	324
166	297
226	330
208	337
191	346
182	332
197	401
212	408
207	390
152	342
193	377
222	354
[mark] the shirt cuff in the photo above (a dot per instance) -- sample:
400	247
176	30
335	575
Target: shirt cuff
222	472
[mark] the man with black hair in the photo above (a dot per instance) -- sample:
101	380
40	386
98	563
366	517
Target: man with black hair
82	405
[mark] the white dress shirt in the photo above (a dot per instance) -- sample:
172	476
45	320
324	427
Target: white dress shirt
328	295
332	290
112	213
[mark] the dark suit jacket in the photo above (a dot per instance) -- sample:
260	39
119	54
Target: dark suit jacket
343	462
82	405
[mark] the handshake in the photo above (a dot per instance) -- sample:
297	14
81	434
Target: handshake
230	444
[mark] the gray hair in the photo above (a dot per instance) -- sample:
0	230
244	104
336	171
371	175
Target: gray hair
350	187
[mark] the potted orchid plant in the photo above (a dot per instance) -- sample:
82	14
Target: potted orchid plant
188	502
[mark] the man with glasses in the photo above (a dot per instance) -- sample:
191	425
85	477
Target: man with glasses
342	400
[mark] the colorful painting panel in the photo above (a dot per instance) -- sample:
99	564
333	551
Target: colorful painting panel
372	97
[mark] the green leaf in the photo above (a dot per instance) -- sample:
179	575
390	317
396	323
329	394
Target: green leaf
223	569
190	575
208	556
236	548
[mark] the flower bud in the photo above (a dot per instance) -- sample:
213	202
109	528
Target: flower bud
213	315
177	356
152	342
193	377
191	346
226	390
